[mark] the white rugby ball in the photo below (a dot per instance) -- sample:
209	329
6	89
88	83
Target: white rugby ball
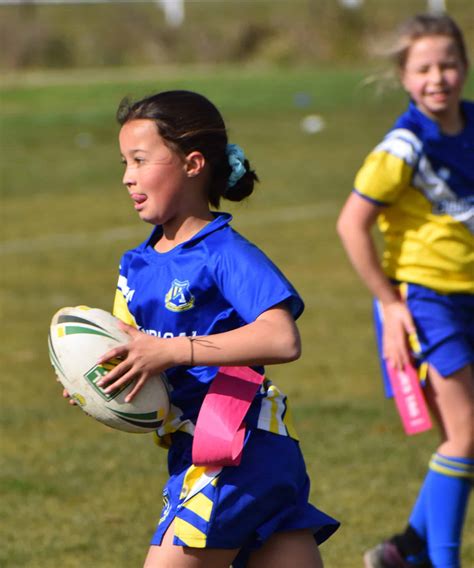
77	338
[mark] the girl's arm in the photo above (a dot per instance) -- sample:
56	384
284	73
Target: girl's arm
354	227
272	338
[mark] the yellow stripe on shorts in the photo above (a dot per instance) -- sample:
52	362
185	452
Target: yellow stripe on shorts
192	476
288	420
191	536
200	505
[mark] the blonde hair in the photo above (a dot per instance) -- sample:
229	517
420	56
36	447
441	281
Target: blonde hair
423	25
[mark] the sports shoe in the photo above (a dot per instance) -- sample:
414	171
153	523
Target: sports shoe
386	555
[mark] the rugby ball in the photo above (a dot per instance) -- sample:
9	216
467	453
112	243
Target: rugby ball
77	338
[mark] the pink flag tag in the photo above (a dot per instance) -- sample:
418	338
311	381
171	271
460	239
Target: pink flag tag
409	399
220	431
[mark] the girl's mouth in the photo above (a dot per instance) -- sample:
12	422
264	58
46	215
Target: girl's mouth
139	199
438	95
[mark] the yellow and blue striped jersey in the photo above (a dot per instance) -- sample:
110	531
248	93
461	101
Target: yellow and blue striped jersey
425	180
215	282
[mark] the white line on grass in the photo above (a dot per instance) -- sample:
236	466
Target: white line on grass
83	239
119	75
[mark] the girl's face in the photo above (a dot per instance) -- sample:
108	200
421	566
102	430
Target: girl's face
434	75
155	176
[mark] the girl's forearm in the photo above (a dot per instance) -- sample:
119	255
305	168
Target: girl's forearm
364	258
354	227
273	338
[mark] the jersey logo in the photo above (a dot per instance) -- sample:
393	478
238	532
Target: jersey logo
179	297
166	507
443	199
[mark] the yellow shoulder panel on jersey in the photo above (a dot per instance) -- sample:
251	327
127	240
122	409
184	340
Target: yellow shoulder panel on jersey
383	177
121	310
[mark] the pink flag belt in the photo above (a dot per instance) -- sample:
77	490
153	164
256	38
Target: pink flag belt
220	428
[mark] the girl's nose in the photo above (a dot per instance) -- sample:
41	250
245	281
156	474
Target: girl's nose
436	74
127	179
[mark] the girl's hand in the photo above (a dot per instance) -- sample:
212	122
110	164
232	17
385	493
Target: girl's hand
72	402
398	325
143	357
66	393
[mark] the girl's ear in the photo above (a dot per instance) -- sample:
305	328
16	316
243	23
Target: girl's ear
403	83
194	163
399	73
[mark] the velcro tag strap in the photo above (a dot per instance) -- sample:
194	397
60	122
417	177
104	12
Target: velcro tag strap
409	399
220	431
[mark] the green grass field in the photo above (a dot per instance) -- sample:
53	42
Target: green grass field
75	493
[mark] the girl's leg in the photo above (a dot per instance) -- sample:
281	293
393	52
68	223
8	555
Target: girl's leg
457	439
448	483
287	550
170	556
437	518
452	402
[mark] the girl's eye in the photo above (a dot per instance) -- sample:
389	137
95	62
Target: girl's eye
136	161
449	65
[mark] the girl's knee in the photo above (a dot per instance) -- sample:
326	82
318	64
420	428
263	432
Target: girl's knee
288	549
453	401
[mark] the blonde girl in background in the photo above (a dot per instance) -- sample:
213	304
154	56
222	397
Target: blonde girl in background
418	184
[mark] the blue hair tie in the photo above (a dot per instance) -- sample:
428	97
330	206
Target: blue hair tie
236	158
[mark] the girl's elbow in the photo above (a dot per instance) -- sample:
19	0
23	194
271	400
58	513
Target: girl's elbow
292	350
296	354
342	227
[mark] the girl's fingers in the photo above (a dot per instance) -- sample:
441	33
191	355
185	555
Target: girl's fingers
114	374
408	323
396	352
71	401
118	352
123	380
131	367
398	357
136	389
132	331
398	326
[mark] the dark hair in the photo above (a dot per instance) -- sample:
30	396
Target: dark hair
423	25
189	122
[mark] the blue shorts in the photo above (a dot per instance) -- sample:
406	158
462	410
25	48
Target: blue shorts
242	506
444	329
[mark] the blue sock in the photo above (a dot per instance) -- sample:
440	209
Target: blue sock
418	523
418	514
445	496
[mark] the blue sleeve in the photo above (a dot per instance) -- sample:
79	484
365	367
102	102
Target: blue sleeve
251	283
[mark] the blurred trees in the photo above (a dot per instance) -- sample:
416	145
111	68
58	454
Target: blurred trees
268	31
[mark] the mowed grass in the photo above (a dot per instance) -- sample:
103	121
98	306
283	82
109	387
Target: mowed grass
75	493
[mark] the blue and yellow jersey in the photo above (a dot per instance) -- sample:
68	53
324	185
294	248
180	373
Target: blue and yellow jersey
215	282
425	180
